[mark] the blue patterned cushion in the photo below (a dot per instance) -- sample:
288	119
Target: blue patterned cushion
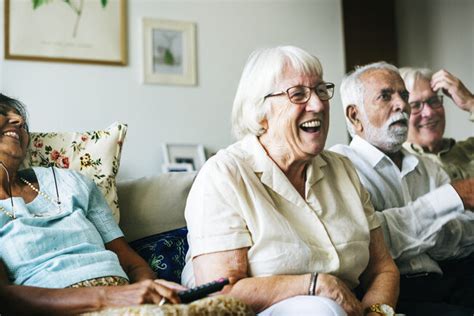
165	252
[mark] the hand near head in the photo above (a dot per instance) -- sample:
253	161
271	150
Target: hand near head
334	288
465	190
143	292
453	88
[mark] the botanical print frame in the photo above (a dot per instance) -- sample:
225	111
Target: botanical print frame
76	31
192	154
169	52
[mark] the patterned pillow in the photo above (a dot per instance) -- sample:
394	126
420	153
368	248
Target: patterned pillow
164	252
95	154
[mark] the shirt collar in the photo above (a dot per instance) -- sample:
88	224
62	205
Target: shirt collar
314	172
255	155
376	157
371	153
272	176
446	145
409	162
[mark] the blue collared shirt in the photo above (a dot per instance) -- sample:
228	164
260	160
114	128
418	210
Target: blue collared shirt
53	248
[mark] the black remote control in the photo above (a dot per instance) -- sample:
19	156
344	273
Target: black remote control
202	290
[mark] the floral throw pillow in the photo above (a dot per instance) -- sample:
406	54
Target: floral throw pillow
95	154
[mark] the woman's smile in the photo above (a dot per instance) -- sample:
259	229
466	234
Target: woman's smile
12	134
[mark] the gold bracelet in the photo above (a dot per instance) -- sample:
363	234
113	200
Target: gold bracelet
312	284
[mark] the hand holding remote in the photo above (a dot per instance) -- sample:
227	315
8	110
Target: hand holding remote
202	290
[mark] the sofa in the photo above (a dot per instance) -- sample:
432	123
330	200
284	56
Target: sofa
152	219
152	205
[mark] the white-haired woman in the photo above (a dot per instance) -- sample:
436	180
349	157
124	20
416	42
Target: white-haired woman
290	221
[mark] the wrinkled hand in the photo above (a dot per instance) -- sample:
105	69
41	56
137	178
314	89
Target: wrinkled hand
465	190
143	292
453	88
334	288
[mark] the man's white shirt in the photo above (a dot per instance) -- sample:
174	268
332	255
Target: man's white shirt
422	216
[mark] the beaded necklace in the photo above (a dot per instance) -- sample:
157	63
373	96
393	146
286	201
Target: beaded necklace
11	215
56	201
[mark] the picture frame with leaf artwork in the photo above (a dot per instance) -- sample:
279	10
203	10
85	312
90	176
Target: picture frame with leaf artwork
76	31
169	52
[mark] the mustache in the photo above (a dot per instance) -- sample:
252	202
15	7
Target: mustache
398	117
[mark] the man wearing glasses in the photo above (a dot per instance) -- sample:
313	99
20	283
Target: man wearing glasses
423	216
427	120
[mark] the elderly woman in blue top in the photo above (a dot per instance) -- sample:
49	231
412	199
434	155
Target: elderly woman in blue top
53	227
287	219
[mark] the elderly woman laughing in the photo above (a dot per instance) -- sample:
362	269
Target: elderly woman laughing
61	251
290	221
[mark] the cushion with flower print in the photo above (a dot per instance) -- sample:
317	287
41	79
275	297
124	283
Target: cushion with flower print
94	153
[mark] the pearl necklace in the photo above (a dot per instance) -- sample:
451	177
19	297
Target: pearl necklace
11	215
47	197
32	187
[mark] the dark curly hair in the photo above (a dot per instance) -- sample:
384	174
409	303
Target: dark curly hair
7	103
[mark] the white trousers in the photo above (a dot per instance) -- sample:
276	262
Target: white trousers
305	305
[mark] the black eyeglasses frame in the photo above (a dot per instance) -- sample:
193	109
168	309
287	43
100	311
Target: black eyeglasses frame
432	103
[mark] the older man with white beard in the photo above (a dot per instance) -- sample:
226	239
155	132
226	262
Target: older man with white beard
423	216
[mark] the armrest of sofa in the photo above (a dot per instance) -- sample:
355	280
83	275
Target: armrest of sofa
155	204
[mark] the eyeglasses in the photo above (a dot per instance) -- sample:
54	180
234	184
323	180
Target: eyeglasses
434	102
302	94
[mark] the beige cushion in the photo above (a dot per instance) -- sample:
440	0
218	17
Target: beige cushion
154	204
95	154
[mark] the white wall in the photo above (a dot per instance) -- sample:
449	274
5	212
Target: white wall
440	34
64	96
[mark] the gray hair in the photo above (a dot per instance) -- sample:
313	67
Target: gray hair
264	68
410	75
352	88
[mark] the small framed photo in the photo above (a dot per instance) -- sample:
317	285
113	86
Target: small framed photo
169	52
192	154
176	167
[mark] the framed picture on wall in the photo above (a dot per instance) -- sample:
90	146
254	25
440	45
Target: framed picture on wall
192	154
169	52
176	167
79	31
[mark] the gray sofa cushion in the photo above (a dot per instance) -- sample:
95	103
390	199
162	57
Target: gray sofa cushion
154	204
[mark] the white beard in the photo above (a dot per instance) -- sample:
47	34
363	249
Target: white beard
387	138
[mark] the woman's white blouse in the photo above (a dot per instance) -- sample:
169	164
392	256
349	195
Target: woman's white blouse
241	198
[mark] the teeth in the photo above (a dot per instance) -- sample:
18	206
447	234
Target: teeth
12	134
428	124
314	123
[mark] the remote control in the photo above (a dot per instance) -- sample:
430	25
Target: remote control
202	290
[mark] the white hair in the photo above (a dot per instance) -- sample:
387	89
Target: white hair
352	88
264	68
410	75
